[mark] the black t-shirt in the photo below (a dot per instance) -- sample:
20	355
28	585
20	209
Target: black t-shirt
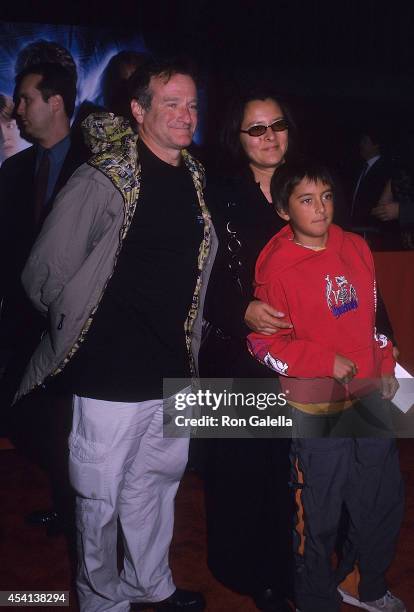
137	334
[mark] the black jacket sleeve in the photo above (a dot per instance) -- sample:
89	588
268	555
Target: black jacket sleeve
382	321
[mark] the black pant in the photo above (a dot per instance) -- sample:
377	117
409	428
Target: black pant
40	427
248	500
249	514
363	474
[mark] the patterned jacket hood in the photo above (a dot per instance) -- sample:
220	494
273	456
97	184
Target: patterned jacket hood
104	131
114	145
111	138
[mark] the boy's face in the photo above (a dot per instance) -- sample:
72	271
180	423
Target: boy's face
310	212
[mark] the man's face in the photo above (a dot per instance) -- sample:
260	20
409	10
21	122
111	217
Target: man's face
170	122
35	116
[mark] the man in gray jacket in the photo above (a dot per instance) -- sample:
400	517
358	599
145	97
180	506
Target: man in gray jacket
120	268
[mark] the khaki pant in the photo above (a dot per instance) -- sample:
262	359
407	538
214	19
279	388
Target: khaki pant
121	467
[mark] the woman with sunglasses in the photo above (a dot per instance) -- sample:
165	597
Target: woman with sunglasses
247	496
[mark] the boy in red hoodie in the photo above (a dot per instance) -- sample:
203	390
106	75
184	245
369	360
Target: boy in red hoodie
340	376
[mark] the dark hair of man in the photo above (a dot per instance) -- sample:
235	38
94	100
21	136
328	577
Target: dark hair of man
377	132
290	175
45	52
230	134
139	82
56	80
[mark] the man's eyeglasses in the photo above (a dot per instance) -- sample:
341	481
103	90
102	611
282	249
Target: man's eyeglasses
280	125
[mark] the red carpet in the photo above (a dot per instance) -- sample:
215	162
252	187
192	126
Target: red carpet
31	561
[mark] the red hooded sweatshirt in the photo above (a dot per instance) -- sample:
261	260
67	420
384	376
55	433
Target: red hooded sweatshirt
329	296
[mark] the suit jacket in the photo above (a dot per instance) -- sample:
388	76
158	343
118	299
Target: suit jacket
18	231
369	192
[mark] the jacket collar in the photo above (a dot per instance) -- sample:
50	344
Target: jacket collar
114	147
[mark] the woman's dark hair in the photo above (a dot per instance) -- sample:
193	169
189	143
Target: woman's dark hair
290	175
115	78
230	134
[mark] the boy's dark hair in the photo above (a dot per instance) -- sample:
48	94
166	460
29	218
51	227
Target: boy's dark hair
138	83
288	176
56	80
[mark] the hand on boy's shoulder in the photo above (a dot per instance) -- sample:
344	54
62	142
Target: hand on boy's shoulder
264	319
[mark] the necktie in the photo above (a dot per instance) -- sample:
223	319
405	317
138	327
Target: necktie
364	171
361	178
41	182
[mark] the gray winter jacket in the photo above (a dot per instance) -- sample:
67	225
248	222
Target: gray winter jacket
75	254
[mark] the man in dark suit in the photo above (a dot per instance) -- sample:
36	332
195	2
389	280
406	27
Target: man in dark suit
368	188
29	181
371	180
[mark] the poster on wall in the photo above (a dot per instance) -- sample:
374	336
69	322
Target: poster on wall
91	47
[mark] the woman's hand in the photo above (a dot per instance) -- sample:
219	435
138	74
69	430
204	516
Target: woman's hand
344	369
389	386
264	319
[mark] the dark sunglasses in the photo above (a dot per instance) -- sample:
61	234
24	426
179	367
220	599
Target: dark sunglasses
280	125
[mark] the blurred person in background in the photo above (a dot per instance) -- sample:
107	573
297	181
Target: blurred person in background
29	181
396	203
114	80
10	140
373	175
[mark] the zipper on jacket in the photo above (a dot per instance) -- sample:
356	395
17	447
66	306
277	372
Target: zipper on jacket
62	316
